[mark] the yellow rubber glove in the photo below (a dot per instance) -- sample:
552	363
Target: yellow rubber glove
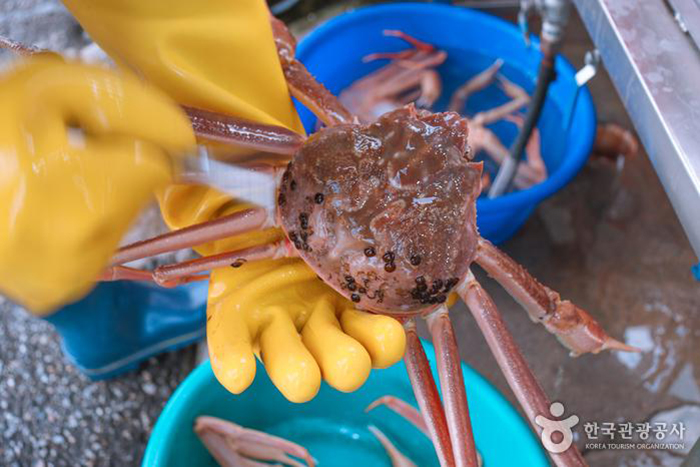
67	197
219	55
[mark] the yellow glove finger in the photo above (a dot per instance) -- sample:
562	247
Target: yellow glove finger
289	363
235	313
230	348
382	336
344	362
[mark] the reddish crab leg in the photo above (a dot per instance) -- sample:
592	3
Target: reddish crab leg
409	77
518	96
227	226
234	259
534	166
18	47
477	83
315	96
397	458
528	173
419	46
175	274
123	273
428	82
574	327
233	445
410	413
402	408
520	378
219	448
452	383
398	56
431	87
427	395
231	130
303	85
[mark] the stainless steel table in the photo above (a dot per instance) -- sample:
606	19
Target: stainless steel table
650	49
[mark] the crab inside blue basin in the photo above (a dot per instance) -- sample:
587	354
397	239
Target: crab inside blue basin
333	426
333	53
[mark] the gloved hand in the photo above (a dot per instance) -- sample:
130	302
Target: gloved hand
301	329
81	151
219	55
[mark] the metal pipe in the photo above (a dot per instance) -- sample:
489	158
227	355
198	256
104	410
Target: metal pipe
555	15
509	167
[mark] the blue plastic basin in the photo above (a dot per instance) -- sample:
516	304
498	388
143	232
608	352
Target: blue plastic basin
333	426
333	53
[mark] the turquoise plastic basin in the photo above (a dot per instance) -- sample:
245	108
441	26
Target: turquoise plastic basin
333	426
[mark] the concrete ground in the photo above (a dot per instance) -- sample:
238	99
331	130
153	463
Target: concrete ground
609	241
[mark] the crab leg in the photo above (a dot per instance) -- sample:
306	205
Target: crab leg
452	383
518	96
477	83
403	56
234	259
534	166
17	47
427	395
397	458
231	130
220	450
199	234
574	327
409	77
302	84
244	444
175	274
520	378
314	95
123	273
526	175
416	43
410	413
430	86
402	408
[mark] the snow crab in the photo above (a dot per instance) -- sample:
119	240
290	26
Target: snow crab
385	213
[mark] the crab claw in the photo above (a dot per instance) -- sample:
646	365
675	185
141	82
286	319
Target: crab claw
235	446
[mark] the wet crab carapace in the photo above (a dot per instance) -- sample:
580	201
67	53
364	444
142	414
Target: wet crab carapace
385	213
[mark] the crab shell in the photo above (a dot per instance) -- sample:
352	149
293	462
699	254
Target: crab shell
385	213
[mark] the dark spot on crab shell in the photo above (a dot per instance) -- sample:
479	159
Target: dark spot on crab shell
402	186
